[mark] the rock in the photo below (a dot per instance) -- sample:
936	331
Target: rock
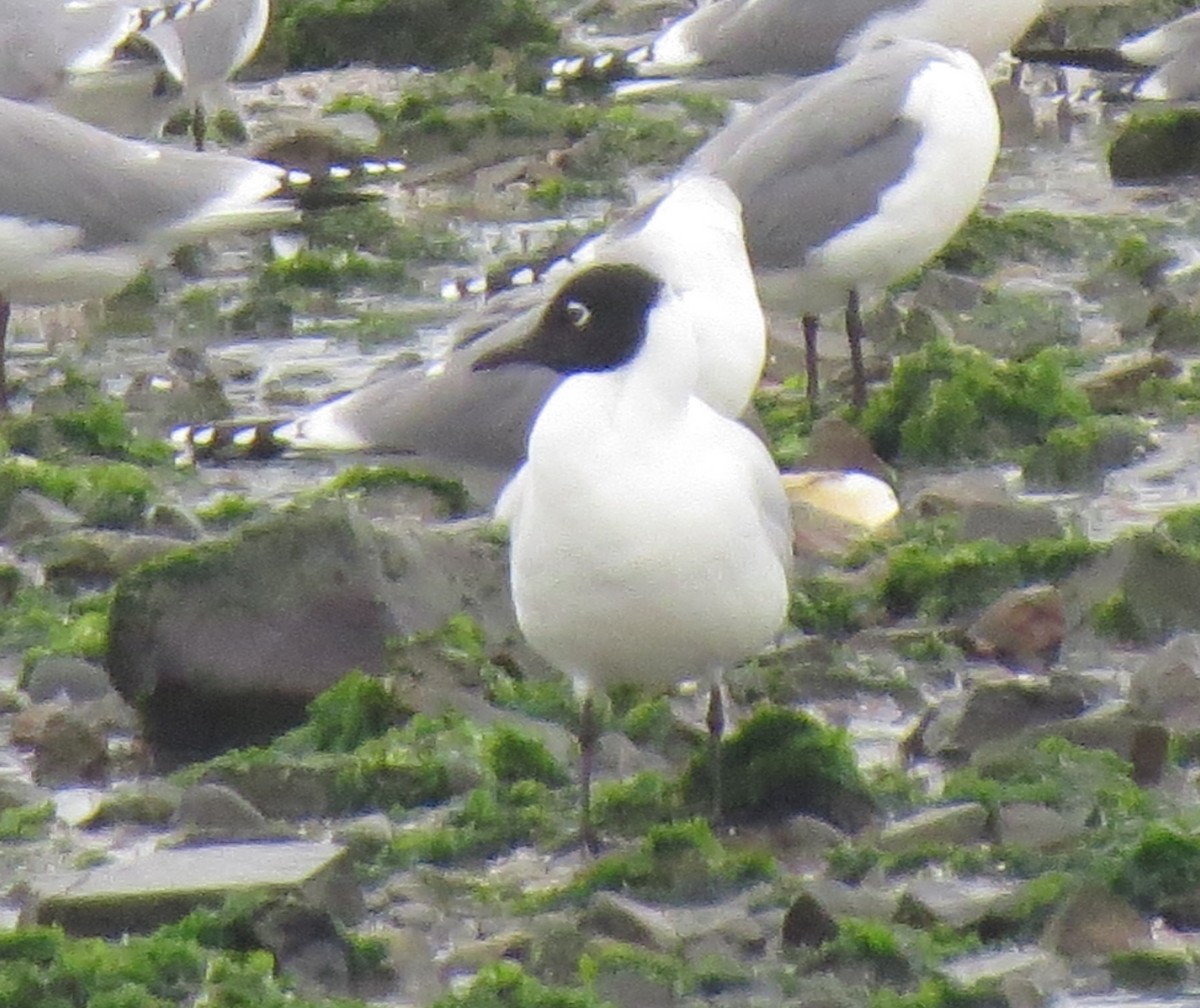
949	293
1166	686
93	558
1036	827
1092	922
961	824
164	885
1115	387
838	445
213	812
1023	629
66	679
814	914
68	750
616	916
1023	315
151	803
31	516
986	509
1027	977
997	710
307	945
1157	583
807	924
804	840
956	903
226	643
173	522
1156	146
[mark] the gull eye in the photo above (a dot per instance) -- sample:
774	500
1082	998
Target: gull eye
579	314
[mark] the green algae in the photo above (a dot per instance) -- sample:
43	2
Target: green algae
1150	969
781	762
947	403
507	984
362	479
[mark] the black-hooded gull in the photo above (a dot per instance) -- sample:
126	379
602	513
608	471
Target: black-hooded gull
650	535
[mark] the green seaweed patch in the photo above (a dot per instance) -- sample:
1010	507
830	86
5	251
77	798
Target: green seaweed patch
507	984
1141	260
331	271
106	495
947	403
1156	145
1116	619
1150	969
369	228
490	821
1175	327
357	708
631	807
314	34
76	417
939	578
871	944
362	479
1055	773
1162	867
786	415
779	763
829	606
608	958
987	240
512	755
229	510
26	822
679	862
1080	455
38	621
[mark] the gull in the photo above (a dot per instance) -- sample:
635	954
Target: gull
448	412
81	211
852	179
1173	50
736	38
203	49
650	534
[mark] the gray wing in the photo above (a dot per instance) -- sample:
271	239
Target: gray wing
116	191
43	39
450	412
816	158
797	37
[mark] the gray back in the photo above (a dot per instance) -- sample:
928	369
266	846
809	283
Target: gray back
55	169
816	158
796	37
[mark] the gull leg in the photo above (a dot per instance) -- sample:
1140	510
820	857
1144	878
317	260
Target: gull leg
5	311
810	324
856	333
716	728
199	125
589	735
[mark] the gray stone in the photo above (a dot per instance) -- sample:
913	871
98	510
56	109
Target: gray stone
94	558
30	516
1093	923
1023	315
986	509
1034	826
68	750
814	914
997	710
1115	386
147	803
1028	977
308	946
957	903
228	643
1159	584
965	823
65	678
216	812
1166	686
616	916
160	887
949	293
1023	629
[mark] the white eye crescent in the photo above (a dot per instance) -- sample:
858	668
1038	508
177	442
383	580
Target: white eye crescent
579	314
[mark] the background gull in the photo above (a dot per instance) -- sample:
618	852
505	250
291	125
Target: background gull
203	49
81	210
479	421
